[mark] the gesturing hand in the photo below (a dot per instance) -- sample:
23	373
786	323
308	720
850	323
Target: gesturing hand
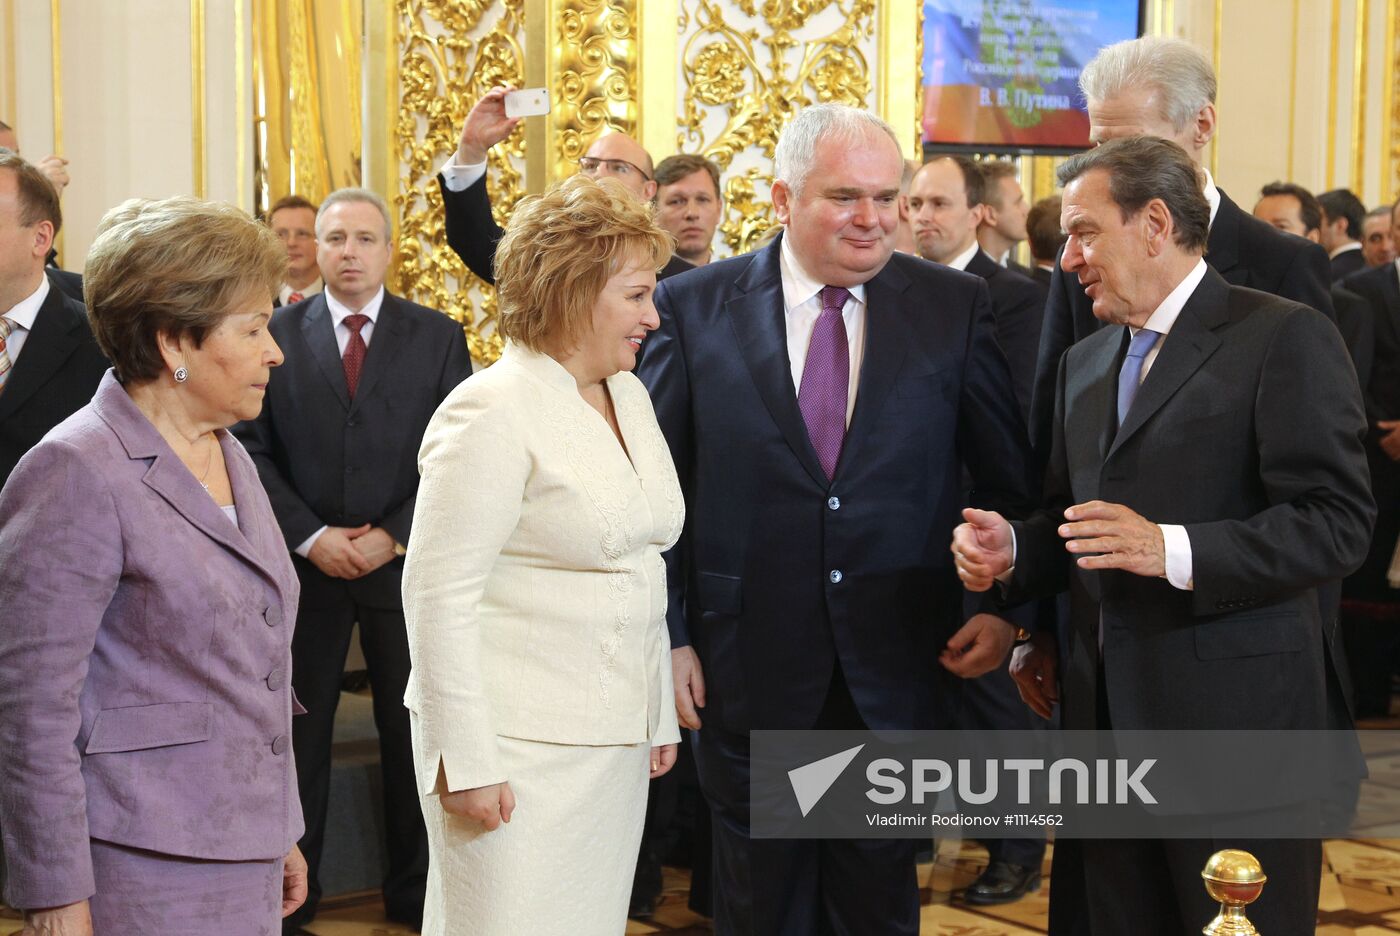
489	805
1123	539
486	125
981	548
1390	442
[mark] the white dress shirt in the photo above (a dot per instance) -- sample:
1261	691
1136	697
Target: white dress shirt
22	316
961	261
339	313
1353	245
802	306
1174	538
459	178
1211	193
285	293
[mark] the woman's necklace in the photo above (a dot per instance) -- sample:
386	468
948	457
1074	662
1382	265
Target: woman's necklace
209	463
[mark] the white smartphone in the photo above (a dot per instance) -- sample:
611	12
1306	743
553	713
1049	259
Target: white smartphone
531	102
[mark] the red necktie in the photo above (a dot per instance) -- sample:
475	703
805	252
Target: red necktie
354	356
295	297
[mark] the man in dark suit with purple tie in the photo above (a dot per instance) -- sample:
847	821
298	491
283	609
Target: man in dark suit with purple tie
824	399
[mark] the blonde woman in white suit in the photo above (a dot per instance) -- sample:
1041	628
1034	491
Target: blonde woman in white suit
534	589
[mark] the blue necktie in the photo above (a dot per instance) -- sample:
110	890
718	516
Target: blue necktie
1130	375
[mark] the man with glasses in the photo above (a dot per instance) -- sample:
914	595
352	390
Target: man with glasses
472	231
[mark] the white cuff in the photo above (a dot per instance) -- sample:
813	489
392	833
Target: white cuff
461	178
1005	577
1178	549
304	550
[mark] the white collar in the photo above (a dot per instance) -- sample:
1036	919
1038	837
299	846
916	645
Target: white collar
26	310
340	313
798	285
1162	320
961	261
1353	245
1211	193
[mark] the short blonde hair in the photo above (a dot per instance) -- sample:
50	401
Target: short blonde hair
177	266
560	250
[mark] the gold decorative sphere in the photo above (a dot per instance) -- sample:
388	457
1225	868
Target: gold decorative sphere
1235	879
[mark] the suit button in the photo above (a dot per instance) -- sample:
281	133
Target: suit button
836	576
279	745
834	503
349	469
350	424
277	679
272	616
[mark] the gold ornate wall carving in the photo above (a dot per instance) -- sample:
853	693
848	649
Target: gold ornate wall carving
746	68
450	53
595	68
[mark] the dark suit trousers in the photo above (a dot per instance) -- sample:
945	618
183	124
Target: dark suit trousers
319	647
1153	887
807	887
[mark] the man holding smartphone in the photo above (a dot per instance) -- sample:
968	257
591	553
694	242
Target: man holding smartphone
472	231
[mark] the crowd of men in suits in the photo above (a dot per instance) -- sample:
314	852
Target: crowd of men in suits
337	441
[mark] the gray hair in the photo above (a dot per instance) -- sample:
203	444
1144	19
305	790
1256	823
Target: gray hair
797	146
1143	168
362	195
1179	72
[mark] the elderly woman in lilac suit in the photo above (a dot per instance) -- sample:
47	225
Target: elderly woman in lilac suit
146	607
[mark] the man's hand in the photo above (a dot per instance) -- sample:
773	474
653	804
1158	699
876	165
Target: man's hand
486	125
689	683
294	881
71	920
376	544
978	647
335	554
981	548
1123	539
1035	667
1390	442
55	169
489	805
663	758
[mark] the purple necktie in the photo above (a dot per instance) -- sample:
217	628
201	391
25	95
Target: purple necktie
826	381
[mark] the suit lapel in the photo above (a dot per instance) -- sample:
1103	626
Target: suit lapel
384	344
1091	398
887	338
757	317
56	334
1184	350
1392	296
1223	243
170	479
318	330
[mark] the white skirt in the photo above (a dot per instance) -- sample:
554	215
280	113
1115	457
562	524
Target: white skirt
564	862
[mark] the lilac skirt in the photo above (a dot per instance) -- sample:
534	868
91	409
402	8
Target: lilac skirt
147	893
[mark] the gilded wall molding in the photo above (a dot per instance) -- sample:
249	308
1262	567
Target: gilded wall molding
450	53
746	68
595	69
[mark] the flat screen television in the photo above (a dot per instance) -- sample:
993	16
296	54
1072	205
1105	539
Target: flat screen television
1002	76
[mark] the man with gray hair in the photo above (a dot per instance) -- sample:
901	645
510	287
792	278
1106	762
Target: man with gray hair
822	398
336	447
1165	87
1191	519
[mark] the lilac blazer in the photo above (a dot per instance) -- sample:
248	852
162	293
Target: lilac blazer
145	657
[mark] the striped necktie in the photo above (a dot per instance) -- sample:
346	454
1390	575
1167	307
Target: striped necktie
6	326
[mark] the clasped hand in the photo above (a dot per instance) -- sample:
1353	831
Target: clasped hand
350	552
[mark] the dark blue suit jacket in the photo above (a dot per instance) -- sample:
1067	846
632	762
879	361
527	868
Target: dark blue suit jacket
781	573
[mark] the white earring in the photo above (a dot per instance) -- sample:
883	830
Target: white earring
181	374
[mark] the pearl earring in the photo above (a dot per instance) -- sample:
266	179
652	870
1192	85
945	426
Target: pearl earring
181	374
